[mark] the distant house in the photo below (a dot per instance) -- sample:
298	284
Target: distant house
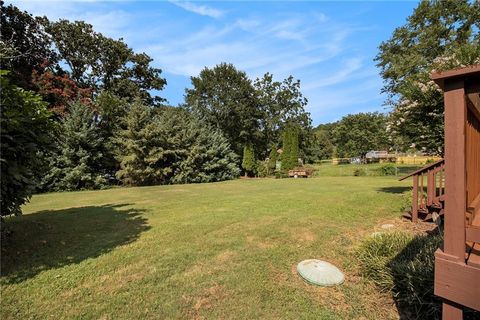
376	155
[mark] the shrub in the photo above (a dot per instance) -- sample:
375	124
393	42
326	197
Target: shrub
359	172
262	168
281	174
403	264
388	170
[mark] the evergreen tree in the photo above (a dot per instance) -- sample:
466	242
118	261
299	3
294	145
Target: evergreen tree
77	163
272	160
109	111
209	157
248	163
170	146
290	147
139	149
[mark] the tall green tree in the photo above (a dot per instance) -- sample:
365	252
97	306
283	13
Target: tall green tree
109	110
356	134
103	63
78	162
26	129
248	162
272	160
322	146
438	35
291	149
171	146
207	155
225	98
281	102
139	149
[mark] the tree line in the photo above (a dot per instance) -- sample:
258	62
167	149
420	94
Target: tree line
79	111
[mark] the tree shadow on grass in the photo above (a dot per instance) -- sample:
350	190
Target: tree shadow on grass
55	238
394	189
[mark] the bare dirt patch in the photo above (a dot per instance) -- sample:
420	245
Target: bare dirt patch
419	228
208	299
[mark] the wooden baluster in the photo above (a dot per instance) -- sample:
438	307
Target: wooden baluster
422	196
441	183
430	187
415	199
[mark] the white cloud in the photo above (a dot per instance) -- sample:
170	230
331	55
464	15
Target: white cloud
112	23
199	9
282	46
343	74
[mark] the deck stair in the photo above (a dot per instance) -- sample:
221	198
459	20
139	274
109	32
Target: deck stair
428	198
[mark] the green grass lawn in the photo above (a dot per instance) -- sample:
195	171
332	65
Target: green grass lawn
372	169
220	250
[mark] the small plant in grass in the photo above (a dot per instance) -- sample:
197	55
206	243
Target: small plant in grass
388	170
359	172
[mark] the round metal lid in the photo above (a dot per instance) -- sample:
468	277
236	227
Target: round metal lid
320	272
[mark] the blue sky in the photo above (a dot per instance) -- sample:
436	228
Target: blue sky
329	46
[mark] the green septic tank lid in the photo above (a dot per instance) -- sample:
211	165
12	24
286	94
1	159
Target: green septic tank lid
320	273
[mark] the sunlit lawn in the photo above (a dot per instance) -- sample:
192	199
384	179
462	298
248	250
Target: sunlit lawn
221	250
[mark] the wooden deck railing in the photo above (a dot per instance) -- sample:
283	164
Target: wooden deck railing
428	190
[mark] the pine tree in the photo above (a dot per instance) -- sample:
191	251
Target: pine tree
172	147
139	150
209	157
77	163
248	163
272	160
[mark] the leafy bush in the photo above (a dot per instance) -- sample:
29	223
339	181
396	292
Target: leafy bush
359	172
281	174
26	129
388	170
403	264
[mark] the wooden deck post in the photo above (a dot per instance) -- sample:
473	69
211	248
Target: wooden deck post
455	180
415	199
